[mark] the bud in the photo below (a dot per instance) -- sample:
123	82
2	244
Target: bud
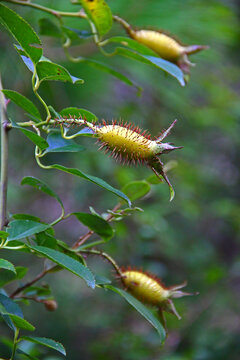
166	47
50	305
150	290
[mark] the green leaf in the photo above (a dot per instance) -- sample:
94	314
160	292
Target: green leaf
48	28
25	217
136	189
74	112
162	64
58	144
48	70
75	35
94	180
142	309
41	185
20	322
21	352
67	263
133	44
7	276
22	32
35	138
8	305
108	69
23	102
96	224
102	280
45	342
4	264
19	229
99	13
3	234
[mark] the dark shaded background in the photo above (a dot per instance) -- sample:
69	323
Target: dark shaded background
196	237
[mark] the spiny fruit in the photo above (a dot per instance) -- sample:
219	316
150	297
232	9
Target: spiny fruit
164	45
130	145
150	290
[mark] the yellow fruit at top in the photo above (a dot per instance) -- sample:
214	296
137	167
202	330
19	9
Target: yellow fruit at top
165	46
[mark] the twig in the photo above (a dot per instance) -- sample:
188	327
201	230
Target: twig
4	159
30	283
86	236
107	257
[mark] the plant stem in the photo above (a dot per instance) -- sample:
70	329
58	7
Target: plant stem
14	343
30	283
4	159
48	10
107	257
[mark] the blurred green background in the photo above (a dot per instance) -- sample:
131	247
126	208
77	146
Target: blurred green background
195	237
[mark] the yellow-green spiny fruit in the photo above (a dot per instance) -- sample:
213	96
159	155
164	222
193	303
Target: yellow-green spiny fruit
130	145
150	290
164	45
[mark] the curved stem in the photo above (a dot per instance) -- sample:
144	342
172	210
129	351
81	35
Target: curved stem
4	159
48	10
106	256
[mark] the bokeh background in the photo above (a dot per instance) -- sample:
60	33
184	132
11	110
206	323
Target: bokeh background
194	238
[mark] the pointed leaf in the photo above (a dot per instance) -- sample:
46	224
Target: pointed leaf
47	70
8	305
41	185
35	138
19	229
162	64
20	322
58	144
67	263
99	13
96	224
23	102
142	309
108	69
73	112
22	32
45	342
4	264
94	180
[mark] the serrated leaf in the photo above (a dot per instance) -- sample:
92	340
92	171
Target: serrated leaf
41	185
78	114
94	180
96	224
45	342
22	32
20	322
99	13
23	102
4	264
136	189
58	144
48	70
35	138
142	309
67	263
19	229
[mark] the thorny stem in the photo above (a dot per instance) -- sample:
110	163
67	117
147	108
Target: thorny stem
4	159
106	256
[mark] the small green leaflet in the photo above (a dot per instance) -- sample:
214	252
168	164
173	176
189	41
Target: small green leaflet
45	342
